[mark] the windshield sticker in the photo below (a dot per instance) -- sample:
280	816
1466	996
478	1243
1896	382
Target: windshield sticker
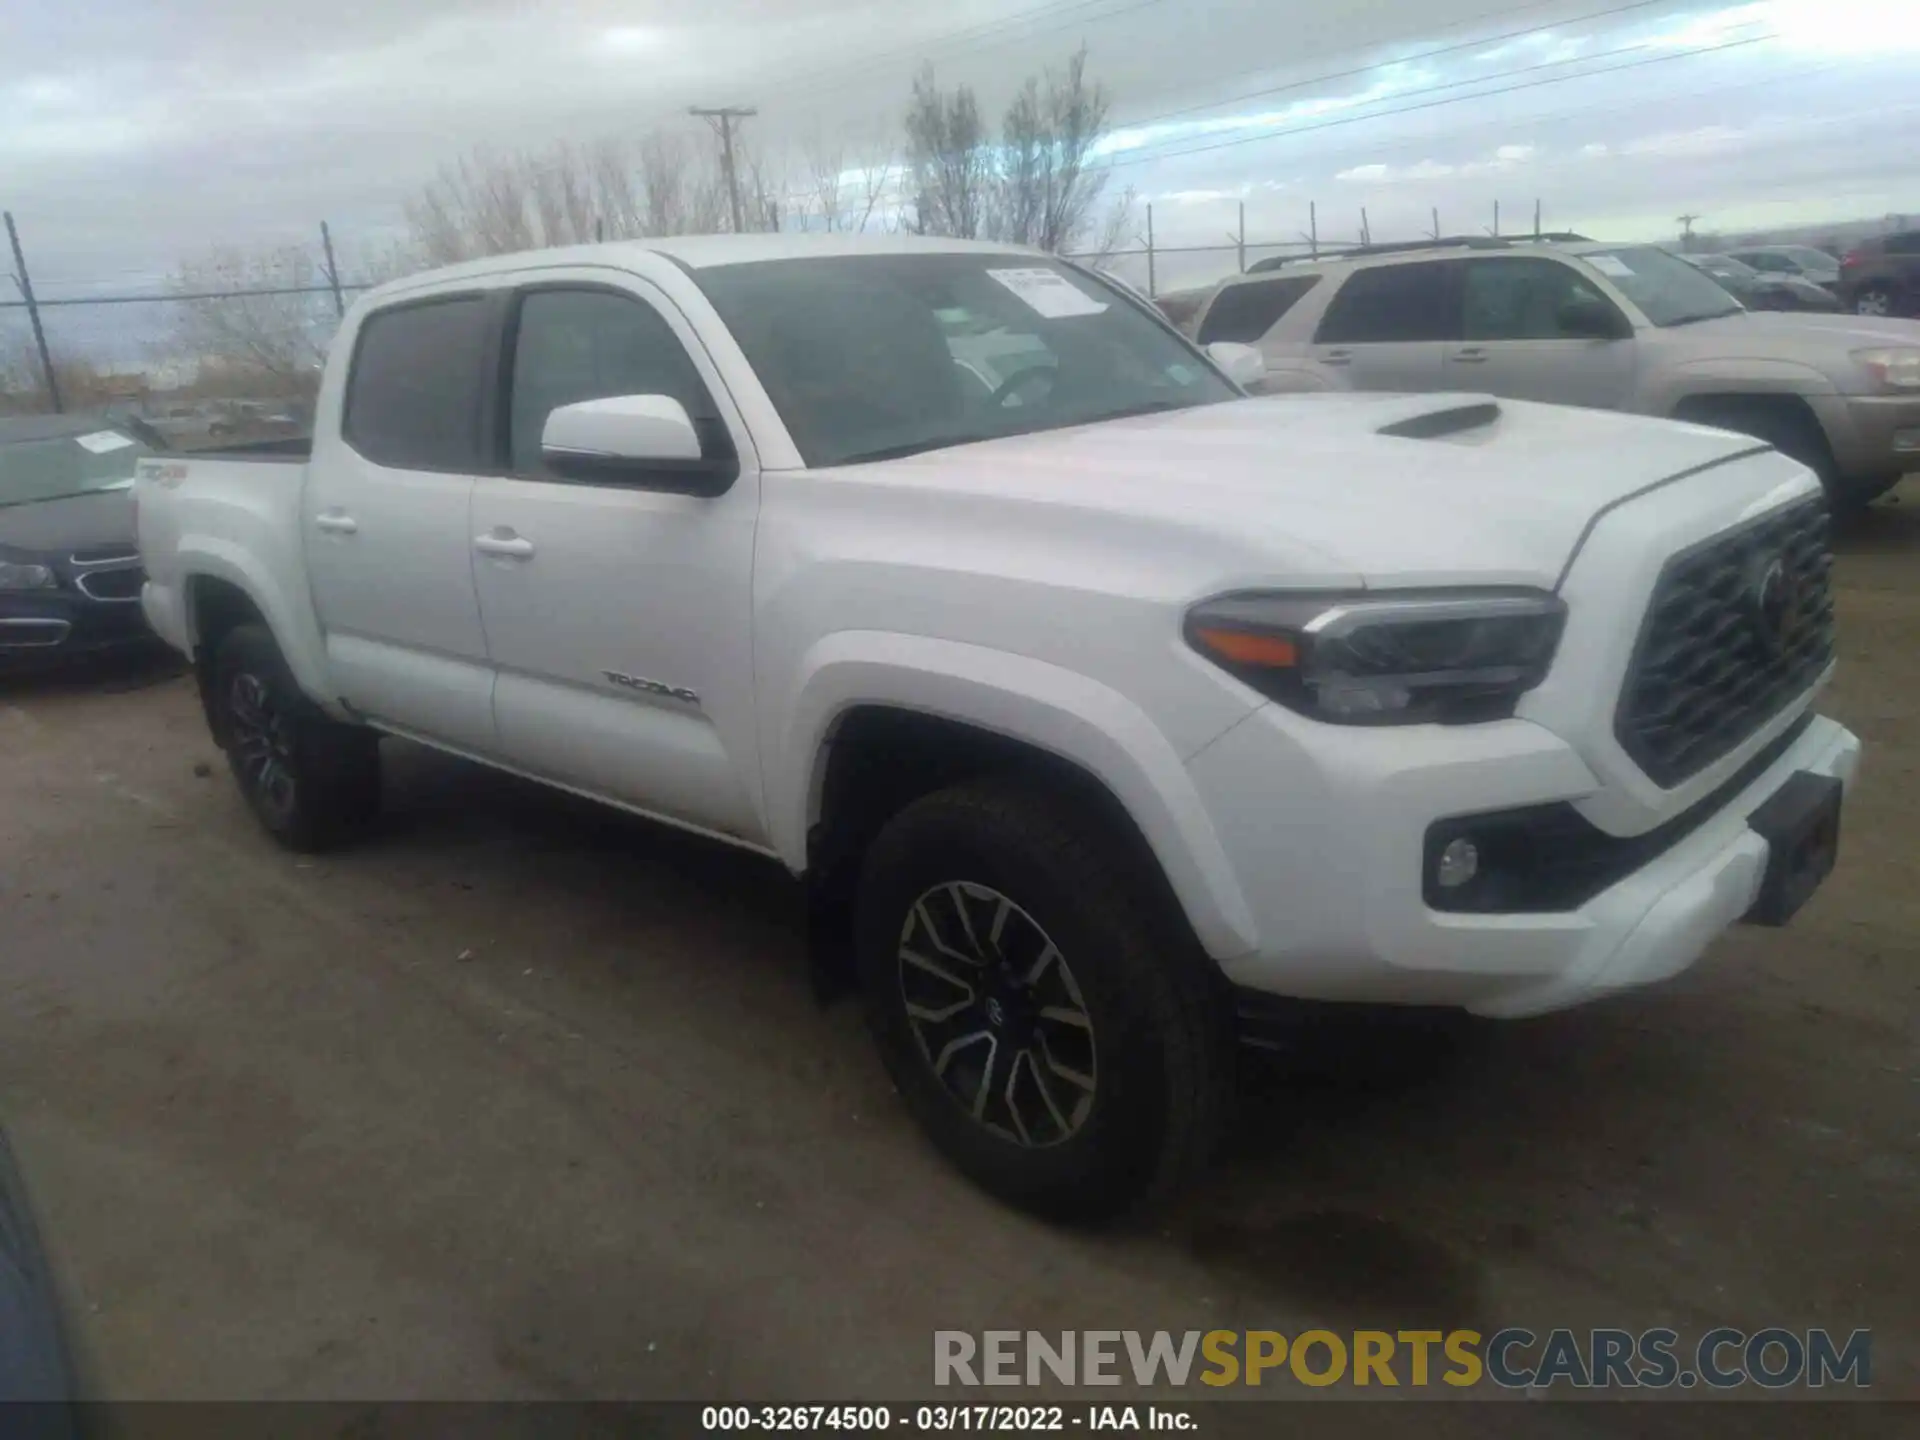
1611	265
101	442
1048	293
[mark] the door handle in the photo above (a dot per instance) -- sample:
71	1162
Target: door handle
508	546
335	523
1337	357
1472	355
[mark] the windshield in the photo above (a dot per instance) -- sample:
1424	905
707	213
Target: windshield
1667	289
1726	266
1807	258
52	469
870	357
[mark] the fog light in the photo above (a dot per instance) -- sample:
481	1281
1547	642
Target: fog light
1459	862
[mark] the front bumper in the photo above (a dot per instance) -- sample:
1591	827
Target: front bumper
1333	868
1873	437
45	628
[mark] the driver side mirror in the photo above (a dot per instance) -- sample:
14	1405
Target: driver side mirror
1243	363
1587	319
643	442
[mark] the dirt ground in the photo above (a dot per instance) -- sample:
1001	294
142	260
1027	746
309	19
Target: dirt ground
527	1099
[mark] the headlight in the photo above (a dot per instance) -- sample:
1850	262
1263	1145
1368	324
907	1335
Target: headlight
15	576
1896	368
1448	656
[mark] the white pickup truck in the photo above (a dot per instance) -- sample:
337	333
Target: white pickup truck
1103	708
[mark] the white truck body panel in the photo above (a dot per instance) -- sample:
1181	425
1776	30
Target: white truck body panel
690	658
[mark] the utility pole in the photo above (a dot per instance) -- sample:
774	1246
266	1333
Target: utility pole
1152	278
1313	229
722	118
1686	230
333	270
1495	232
1436	222
1240	241
1366	230
25	282
1536	219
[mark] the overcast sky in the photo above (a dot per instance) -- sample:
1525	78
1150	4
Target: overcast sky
136	132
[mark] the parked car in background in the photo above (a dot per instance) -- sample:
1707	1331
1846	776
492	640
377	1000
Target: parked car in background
1101	707
1802	260
1619	327
1764	292
1881	275
70	573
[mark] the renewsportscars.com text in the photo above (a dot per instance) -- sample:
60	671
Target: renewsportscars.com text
1512	1358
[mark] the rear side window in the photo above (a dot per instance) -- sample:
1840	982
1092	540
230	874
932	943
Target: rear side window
413	398
1392	303
1244	313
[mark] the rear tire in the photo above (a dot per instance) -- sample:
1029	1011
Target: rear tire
311	781
1077	1084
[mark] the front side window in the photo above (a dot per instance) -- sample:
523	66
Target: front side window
1245	312
873	356
413	397
1392	303
1522	299
573	345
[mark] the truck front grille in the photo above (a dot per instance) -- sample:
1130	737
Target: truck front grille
1738	626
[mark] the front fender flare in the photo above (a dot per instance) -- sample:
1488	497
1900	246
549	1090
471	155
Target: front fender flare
1080	720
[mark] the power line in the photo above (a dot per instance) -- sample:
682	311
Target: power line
1435	104
1414	59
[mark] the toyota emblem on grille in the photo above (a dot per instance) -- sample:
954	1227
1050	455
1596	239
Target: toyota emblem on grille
1776	605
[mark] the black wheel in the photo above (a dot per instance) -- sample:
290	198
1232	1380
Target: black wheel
1876	300
312	781
1062	1039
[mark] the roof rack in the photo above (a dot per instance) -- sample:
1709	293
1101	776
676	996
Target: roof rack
1401	247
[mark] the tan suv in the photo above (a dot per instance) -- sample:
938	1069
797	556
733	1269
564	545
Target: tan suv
1577	322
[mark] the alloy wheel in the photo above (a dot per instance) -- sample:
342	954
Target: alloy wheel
998	1014
262	737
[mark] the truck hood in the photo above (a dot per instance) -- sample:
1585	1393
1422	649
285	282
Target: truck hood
1347	489
72	522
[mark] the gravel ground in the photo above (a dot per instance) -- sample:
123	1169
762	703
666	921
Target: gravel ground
527	1099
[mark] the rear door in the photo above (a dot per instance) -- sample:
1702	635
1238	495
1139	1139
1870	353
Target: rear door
387	526
1512	343
1388	326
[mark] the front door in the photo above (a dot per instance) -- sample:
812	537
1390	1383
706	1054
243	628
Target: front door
386	526
1511	340
618	618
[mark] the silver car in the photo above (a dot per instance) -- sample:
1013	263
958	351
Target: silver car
1577	322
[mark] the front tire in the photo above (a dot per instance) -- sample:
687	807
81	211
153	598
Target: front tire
1061	1039
312	782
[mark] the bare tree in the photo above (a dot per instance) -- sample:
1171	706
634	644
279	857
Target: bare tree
1037	183
492	204
277	341
1048	187
1115	229
949	158
846	193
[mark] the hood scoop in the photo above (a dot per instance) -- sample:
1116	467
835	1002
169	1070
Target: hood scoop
1438	424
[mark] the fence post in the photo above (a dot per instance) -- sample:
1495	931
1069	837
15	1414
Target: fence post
1496	219
333	271
1536	219
25	282
1241	246
1313	229
1366	230
1152	291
